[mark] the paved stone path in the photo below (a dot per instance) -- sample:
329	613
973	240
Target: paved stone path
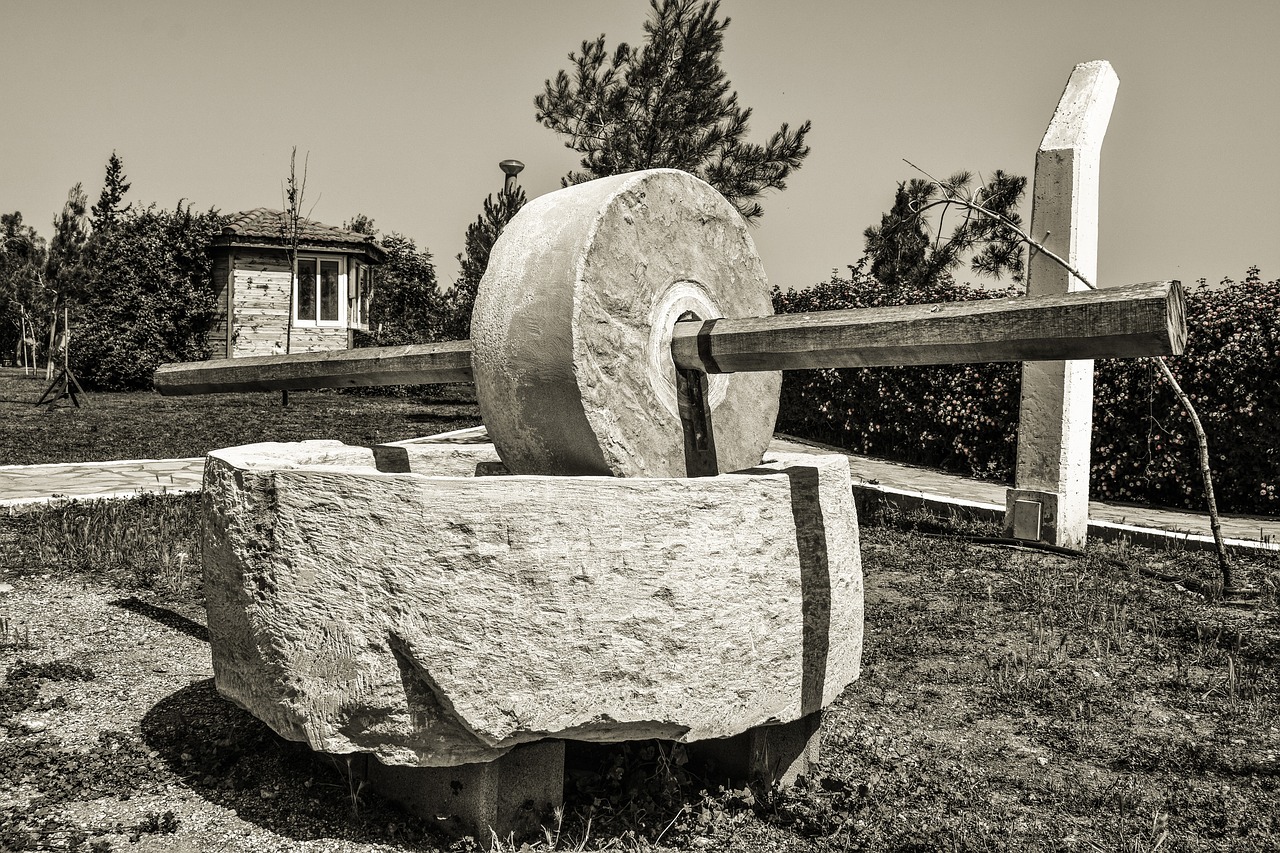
21	485
909	485
905	485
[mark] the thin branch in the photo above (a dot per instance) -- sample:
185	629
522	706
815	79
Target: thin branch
1034	244
1215	522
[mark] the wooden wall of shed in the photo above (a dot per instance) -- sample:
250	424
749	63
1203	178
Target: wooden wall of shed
262	286
317	338
219	332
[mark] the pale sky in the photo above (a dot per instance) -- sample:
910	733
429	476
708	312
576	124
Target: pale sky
405	109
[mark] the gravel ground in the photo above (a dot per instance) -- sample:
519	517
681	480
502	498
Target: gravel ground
124	706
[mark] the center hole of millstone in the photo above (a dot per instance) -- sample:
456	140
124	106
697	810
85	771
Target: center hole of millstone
681	299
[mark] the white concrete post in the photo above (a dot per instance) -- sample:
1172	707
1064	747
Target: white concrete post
1050	498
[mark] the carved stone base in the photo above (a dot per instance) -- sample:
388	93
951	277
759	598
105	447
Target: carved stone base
444	620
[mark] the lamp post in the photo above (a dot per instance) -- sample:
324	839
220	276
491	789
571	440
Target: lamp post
510	168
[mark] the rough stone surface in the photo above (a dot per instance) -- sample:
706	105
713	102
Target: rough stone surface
572	328
436	621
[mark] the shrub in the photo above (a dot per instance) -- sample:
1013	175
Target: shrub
149	296
1143	446
963	418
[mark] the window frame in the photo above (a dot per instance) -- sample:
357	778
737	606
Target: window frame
318	323
358	308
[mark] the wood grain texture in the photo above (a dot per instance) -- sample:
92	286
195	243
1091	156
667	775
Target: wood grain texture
1137	320
420	364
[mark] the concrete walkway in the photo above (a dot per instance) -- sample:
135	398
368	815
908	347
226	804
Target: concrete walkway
904	485
907	486
21	485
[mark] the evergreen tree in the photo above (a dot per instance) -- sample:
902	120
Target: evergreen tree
406	307
667	104
64	270
904	253
479	240
361	224
108	209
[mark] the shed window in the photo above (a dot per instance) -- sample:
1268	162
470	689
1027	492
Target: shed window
318	292
360	279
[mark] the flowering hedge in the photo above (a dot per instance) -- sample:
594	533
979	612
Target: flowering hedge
963	418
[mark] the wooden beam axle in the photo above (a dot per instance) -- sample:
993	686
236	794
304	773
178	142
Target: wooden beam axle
1122	322
417	364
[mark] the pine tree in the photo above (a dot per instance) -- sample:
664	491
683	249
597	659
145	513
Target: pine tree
106	212
667	104
405	307
480	237
904	253
64	271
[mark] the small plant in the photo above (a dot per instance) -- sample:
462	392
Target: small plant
354	786
156	823
11	637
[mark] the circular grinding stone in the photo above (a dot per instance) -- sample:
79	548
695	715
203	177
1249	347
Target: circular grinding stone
573	319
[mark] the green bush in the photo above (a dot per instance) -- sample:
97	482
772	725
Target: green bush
963	418
149	296
1144	448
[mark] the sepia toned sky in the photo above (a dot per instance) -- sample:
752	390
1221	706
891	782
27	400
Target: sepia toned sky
405	108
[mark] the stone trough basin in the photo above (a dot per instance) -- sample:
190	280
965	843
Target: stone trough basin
434	618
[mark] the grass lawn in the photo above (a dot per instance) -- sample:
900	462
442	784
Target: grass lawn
1010	700
144	425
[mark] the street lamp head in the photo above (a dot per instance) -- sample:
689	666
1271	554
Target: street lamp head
511	167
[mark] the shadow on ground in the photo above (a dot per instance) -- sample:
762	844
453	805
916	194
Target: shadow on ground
464	418
165	616
230	758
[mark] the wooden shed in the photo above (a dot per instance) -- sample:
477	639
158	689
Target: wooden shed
264	311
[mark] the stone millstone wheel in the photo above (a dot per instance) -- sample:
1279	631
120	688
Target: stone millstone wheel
573	319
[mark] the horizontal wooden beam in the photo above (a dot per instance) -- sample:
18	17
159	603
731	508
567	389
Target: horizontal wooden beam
1122	322
419	364
1138	320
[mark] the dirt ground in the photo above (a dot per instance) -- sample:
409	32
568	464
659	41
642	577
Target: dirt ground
1010	700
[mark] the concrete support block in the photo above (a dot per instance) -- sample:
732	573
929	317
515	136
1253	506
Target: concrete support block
440	460
1056	412
511	796
771	755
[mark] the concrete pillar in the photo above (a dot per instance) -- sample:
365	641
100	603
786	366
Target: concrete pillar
1050	498
772	755
511	796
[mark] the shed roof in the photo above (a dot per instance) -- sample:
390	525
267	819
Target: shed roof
263	226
